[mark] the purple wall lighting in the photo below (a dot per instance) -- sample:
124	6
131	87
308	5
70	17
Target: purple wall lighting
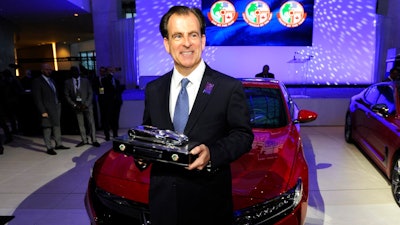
342	50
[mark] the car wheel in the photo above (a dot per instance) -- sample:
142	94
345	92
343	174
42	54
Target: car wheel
348	129
396	179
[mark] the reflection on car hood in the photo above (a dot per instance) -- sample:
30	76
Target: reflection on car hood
263	172
256	176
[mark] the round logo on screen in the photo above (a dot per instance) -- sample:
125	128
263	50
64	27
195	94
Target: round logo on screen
291	14
222	14
257	14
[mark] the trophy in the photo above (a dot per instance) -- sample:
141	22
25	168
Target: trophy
153	144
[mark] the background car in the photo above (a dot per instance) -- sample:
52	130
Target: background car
373	124
270	183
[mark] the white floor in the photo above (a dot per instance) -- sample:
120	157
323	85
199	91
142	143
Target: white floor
40	189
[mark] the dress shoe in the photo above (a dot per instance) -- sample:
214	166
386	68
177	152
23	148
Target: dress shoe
96	144
51	152
80	144
1	150
61	147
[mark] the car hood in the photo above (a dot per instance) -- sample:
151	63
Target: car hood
265	172
261	174
117	173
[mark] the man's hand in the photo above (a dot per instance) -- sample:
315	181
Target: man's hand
203	158
45	115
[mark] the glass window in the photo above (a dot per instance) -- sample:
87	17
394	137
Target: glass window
371	95
386	97
88	60
266	107
128	9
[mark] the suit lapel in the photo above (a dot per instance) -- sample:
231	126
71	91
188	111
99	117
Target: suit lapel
164	102
208	83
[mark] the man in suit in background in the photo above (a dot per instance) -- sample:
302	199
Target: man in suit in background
45	96
78	92
110	101
218	119
394	75
265	73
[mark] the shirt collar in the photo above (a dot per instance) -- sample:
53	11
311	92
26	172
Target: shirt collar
46	77
194	77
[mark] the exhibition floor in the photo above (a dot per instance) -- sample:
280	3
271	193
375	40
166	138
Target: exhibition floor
40	189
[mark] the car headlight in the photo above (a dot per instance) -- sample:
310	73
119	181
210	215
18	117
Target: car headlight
271	210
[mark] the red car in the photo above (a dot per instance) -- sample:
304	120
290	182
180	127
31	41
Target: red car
373	124
270	183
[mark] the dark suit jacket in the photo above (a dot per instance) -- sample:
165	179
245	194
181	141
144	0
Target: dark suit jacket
269	75
112	91
45	101
86	92
220	120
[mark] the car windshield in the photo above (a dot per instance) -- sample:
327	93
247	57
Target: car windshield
266	107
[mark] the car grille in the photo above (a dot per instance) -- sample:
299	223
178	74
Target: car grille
272	210
118	210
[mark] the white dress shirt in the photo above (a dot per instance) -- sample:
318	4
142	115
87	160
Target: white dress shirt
192	88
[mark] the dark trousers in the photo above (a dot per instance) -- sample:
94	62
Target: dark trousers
110	113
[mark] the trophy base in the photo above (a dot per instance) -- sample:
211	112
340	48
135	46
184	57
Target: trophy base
171	154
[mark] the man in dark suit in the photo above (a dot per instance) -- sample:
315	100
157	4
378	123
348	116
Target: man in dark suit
45	96
110	102
265	73
218	119
394	75
78	92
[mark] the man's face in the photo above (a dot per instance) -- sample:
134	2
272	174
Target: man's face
185	43
103	72
46	70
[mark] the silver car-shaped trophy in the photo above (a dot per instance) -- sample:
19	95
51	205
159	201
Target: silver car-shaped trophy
153	134
156	145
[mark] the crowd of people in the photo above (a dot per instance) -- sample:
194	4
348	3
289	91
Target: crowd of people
79	92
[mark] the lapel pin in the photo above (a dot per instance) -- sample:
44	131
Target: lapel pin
208	88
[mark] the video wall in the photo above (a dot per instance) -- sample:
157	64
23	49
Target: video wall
259	23
340	51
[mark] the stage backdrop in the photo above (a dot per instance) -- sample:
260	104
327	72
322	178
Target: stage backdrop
342	50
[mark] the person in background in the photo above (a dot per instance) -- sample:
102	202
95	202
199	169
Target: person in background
3	115
110	101
13	92
98	91
218	119
26	81
45	96
265	73
78	93
394	75
3	110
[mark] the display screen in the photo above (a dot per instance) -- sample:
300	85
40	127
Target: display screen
258	23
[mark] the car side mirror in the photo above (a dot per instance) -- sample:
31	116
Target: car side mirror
306	116
381	109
